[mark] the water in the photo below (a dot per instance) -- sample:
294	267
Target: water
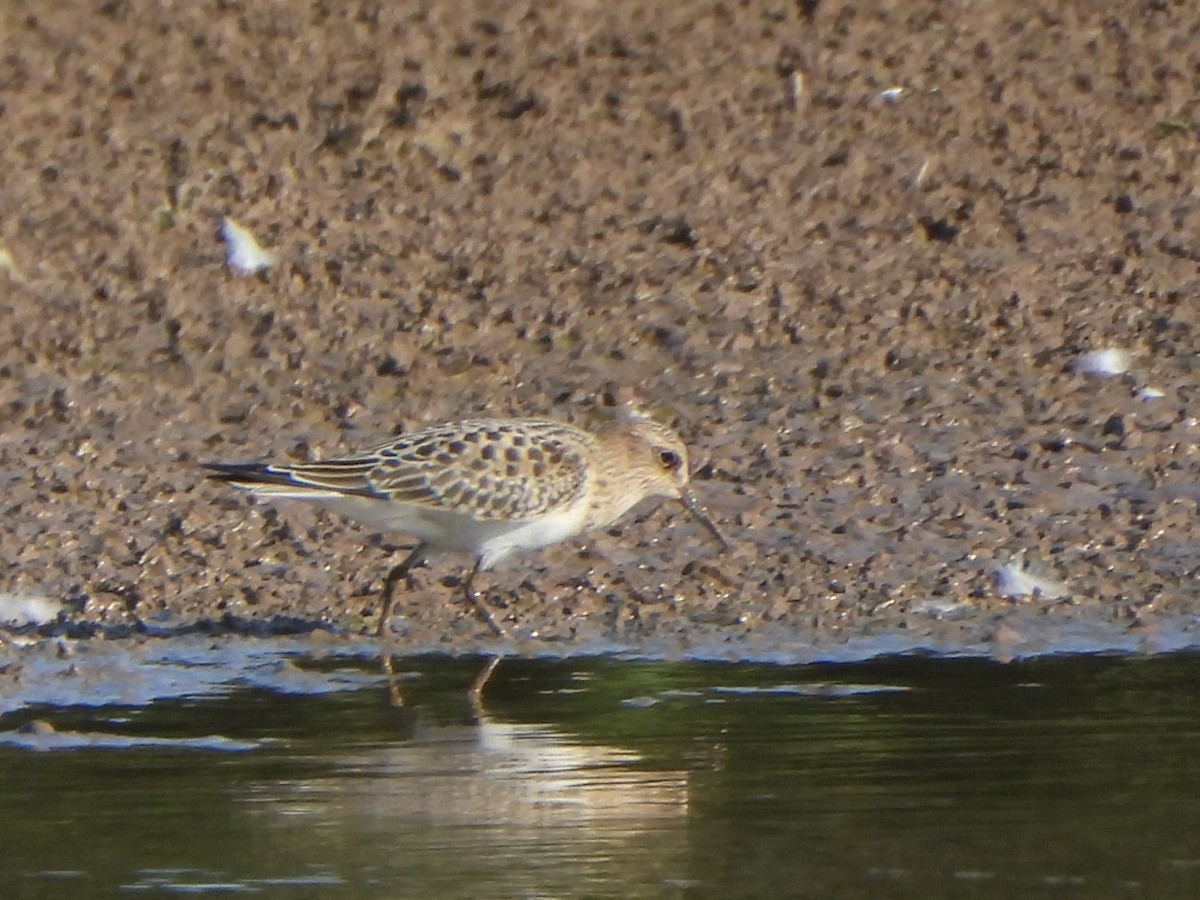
908	777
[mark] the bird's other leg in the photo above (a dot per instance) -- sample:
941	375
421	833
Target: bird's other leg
399	571
473	599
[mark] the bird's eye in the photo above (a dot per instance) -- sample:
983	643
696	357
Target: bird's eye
670	459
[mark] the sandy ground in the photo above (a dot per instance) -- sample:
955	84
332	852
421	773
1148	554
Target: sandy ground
855	252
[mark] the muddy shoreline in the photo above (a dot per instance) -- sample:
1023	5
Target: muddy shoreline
856	256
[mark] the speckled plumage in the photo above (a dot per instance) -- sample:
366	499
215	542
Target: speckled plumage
488	486
485	468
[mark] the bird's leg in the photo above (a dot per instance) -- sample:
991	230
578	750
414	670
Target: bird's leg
475	694
389	585
474	600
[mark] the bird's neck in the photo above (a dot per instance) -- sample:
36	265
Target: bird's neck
617	488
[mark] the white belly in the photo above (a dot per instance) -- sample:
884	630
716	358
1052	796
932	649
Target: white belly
489	539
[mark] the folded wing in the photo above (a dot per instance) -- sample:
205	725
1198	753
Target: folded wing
485	469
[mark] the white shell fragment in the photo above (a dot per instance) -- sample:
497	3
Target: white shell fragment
243	251
795	89
891	95
1151	393
1105	363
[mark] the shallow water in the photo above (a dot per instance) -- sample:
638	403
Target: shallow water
904	777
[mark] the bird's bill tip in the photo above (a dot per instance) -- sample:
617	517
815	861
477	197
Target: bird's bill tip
693	506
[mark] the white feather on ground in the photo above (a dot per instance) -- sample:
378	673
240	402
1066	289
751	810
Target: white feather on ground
1105	363
1015	580
20	608
243	251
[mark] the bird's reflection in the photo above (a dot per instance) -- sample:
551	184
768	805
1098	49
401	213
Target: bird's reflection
485	772
474	692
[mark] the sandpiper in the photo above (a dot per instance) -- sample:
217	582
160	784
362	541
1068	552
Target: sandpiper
488	486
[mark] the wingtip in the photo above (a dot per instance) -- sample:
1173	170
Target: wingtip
243	473
302	482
